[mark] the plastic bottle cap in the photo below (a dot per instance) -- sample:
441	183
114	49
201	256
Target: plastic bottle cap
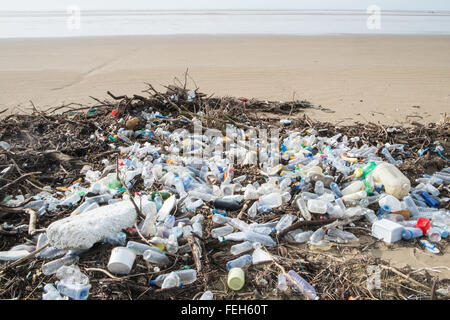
424	224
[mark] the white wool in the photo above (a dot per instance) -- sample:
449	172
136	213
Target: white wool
83	230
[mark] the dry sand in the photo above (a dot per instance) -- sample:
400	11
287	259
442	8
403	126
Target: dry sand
363	78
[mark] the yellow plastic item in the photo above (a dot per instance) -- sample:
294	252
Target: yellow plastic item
160	246
351	160
236	279
394	181
358	172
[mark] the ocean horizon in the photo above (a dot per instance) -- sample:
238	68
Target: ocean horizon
79	23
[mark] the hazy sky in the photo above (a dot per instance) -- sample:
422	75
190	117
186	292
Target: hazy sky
224	4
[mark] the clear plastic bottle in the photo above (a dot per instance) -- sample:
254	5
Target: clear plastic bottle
336	190
317	206
207	295
187	276
285	221
240	262
222	231
241	248
411	206
51	293
301	204
261	238
303	237
76	291
302	285
72	273
140	248
156	257
281	282
13	255
220	219
53	266
171	281
317	235
319	188
390	203
334	232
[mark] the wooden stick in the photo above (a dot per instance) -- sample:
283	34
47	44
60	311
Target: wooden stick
195	252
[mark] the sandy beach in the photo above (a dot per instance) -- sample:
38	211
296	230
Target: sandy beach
386	79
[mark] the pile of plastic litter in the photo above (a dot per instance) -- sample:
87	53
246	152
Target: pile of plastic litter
126	199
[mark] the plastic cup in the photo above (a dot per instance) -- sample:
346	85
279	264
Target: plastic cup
236	279
121	260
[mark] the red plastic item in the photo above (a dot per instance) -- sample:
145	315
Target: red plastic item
120	162
115	113
423	224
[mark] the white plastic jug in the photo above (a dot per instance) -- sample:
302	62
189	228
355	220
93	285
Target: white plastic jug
394	181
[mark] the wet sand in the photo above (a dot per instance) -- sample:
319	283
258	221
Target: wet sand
386	79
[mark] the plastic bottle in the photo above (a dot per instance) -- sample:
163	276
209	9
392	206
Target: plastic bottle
411	233
156	257
336	190
319	188
220	219
72	273
317	206
430	200
394	181
270	201
390	203
334	232
354	187
236	279
53	266
434	235
140	248
411	206
240	262
187	276
51	293
302	285
222	231
171	281
285	221
261	238
230	205
301	205
76	291
241	248
317	235
281	282
207	295
13	255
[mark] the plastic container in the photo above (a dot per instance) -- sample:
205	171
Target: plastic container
222	231
121	260
53	266
390	203
76	291
317	206
240	262
241	248
302	285
207	295
394	181
387	230
155	257
411	233
236	279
